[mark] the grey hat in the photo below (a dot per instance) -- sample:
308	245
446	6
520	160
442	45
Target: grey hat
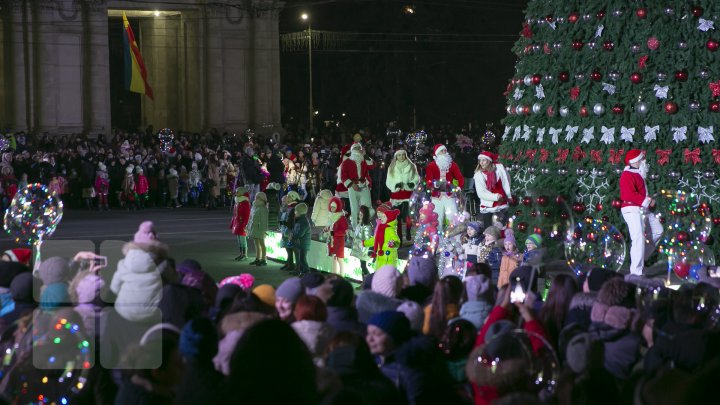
290	289
54	270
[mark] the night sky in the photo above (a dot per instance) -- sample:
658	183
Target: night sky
447	63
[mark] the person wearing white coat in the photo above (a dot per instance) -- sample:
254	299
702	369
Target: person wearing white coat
402	178
492	184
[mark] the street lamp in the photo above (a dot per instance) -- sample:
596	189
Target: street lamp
306	17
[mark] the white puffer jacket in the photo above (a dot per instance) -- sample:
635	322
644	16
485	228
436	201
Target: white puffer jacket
138	285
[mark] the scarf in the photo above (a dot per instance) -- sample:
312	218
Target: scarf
380	236
490	179
402	170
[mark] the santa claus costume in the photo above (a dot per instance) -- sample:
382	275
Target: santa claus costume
492	184
340	189
385	242
440	174
337	228
355	175
402	177
635	210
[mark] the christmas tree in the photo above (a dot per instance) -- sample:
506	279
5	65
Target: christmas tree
595	79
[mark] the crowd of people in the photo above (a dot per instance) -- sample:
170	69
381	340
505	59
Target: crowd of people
160	331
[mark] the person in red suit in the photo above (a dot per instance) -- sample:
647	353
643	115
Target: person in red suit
340	189
441	175
492	185
336	231
355	175
635	210
241	216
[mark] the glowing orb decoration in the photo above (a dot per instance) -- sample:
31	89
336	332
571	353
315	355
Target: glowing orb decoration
33	215
594	243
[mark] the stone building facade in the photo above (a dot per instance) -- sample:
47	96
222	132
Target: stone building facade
210	64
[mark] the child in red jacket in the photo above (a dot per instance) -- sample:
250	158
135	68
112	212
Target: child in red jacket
241	216
337	228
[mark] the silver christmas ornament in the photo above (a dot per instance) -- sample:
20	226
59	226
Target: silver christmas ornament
510	110
564	111
536	48
669	11
579	76
519	109
515	166
704	74
557	46
674	175
709	175
600	173
614	75
654	177
592	44
531	170
694	105
682	45
562	172
560	20
587	17
617	13
635	48
537	108
618	171
661	76
581	172
528	80
599	109
548	78
642	108
540	21
545	170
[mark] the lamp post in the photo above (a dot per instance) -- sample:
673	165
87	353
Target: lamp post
306	17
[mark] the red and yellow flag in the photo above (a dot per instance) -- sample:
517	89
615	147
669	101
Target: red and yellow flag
135	72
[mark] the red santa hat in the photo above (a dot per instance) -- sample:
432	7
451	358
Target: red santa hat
391	215
438	148
488	155
19	255
338	204
634	156
345	149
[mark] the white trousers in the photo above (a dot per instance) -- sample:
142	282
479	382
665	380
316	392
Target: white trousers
639	221
444	208
358	199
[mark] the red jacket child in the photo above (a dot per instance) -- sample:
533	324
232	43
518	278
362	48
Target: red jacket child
241	216
338	229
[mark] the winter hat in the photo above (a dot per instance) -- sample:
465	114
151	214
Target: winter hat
633	156
241	191
597	277
535	239
102	167
385	280
274	186
54	270
312	280
394	323
244	281
199	339
290	289
475	226
422	270
266	293
510	237
488	156
292	196
20	255
342	293
173	172
54	295
437	148
301	209
499	328
145	233
338	204
494	232
414	313
261	196
88	288
22	286
139	170
400	151
227	293
8	272
616	292
391	215
476	286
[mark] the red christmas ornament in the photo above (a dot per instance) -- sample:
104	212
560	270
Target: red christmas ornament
573	18
635	78
577	44
536	79
542	200
537	230
653	43
617	203
551	111
534	213
522	226
559	199
547	214
514	201
681	269
518	213
712	45
526	109
526	201
598	207
564	76
592	237
641	13
564	215
608	45
583	111
617	236
671	107
716	221
697	11
605	218
578	207
715	106
595	76
600	14
618	109
549	18
682	236
681	76
662	220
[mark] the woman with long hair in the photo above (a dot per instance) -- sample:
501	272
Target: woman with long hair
553	312
445	305
402	178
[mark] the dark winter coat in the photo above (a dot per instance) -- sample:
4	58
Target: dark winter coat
611	327
369	303
201	384
364	383
345	319
685	349
276	169
301	233
273	209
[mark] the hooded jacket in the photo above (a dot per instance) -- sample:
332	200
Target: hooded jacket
320	215
137	283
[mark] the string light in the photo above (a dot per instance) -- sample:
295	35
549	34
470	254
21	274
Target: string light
166	137
33	215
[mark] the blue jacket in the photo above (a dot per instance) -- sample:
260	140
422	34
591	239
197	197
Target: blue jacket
301	232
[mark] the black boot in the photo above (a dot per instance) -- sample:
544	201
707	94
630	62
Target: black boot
242	256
